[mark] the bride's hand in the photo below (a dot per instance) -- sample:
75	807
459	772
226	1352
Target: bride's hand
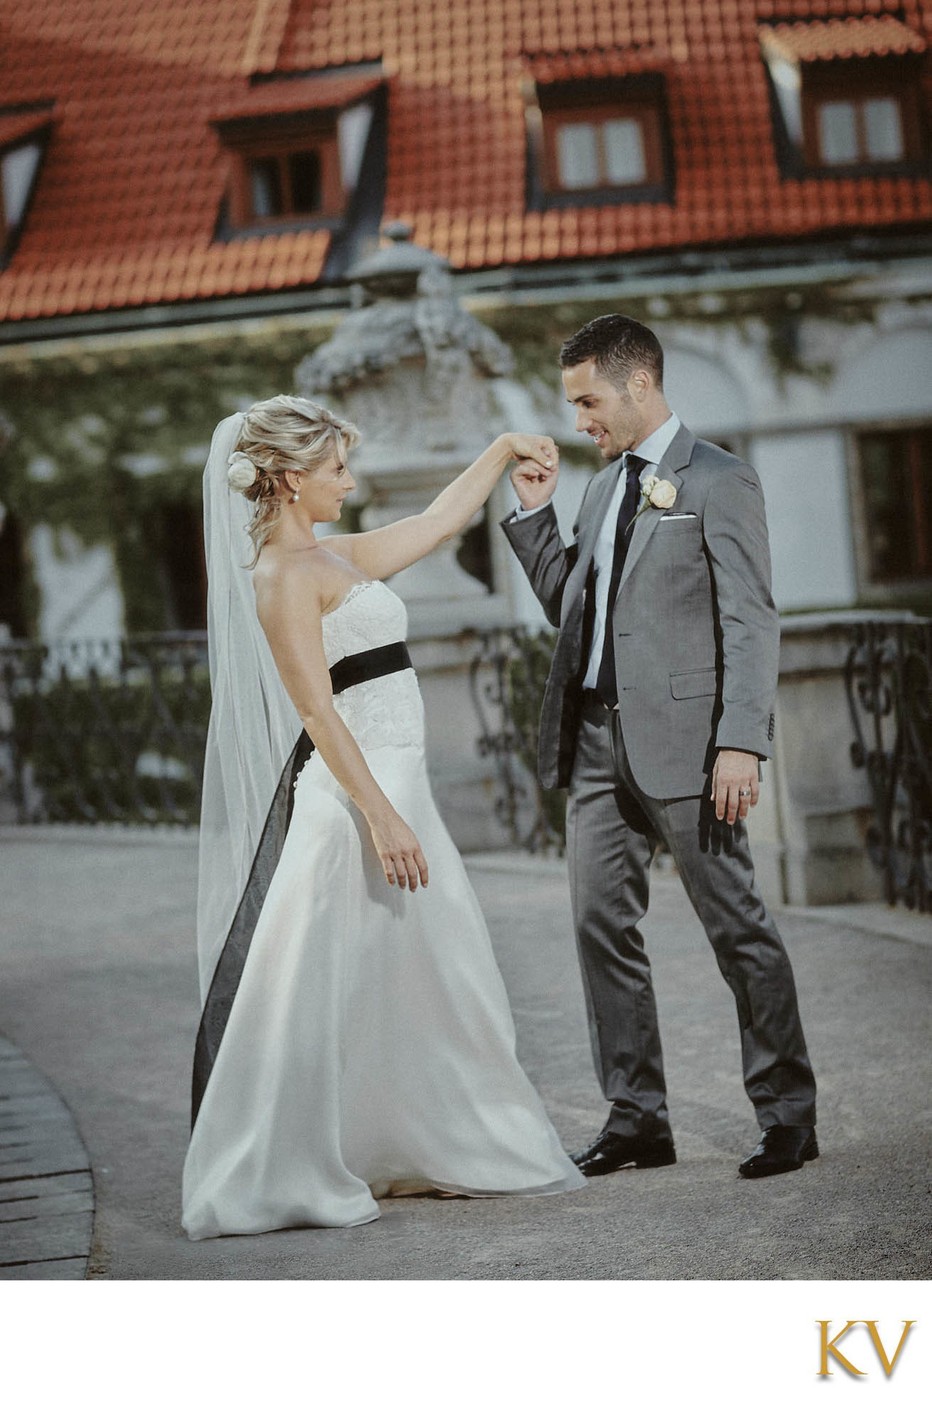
400	854
536	448
535	475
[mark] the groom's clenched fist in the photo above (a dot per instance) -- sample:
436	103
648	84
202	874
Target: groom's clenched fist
534	480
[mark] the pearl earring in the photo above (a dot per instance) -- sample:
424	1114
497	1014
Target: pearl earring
294	497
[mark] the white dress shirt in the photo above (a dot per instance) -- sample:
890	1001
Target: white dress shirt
652	450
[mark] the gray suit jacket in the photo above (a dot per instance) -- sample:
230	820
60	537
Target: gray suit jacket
697	633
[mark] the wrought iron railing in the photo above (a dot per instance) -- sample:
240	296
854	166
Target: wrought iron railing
888	681
114	731
507	678
104	731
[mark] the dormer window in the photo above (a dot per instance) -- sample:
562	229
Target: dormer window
297	150
858	119
598	141
847	94
18	166
599	146
297	176
282	183
23	137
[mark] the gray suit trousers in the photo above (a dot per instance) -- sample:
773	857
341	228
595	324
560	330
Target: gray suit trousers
613	829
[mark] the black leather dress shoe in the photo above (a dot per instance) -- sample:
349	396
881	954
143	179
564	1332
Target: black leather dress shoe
615	1151
782	1148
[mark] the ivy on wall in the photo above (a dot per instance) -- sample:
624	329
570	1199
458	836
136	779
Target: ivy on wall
107	442
776	315
110	443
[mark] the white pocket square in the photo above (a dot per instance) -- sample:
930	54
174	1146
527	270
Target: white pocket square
668	517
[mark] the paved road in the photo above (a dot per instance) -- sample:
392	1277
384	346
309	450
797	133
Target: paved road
99	992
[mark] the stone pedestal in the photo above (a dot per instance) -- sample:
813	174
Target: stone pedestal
464	786
808	833
417	373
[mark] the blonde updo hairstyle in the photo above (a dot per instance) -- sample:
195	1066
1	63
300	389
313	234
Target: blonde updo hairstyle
278	434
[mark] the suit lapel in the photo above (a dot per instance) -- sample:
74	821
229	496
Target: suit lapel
675	459
598	502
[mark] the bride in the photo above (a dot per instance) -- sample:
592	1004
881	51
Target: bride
356	1041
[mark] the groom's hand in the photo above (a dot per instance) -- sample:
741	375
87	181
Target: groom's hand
534	477
735	784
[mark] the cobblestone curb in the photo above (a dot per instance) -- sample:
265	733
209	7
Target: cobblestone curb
46	1185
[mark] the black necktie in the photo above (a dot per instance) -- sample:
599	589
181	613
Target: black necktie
632	465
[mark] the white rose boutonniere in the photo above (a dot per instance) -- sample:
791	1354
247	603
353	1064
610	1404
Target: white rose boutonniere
661	493
655	493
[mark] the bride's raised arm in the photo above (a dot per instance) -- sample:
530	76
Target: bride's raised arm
384	551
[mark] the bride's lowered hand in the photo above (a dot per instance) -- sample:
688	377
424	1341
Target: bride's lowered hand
403	862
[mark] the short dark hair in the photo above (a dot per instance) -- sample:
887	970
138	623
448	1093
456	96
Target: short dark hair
618	345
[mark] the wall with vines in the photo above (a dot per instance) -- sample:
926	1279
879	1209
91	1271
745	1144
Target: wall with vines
107	439
110	437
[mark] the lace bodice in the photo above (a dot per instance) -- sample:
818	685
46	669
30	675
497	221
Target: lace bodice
387	711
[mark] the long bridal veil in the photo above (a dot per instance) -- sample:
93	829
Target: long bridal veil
253	724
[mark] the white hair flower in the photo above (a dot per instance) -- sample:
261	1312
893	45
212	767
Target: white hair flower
241	473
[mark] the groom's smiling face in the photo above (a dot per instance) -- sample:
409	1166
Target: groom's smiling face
613	418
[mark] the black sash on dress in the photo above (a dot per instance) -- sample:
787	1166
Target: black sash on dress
352	670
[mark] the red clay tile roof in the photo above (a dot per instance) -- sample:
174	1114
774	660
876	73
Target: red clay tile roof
126	203
602	63
841	39
300	96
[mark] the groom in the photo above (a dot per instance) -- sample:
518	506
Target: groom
657	712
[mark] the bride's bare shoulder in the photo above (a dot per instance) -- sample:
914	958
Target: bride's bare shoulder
303	576
279	575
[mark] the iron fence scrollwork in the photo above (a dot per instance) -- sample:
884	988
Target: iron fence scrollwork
114	731
888	682
108	731
507	678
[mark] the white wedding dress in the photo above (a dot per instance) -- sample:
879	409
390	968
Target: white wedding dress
370	1048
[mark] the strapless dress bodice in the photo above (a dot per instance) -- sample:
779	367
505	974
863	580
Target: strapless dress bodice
388	710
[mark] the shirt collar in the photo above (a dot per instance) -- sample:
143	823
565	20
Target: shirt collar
653	448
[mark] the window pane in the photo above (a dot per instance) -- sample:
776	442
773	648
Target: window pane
266	187
180	553
838	134
304	172
884	474
577	155
884	129
922	500
624	151
18	170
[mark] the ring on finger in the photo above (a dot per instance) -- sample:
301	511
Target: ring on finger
744	793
